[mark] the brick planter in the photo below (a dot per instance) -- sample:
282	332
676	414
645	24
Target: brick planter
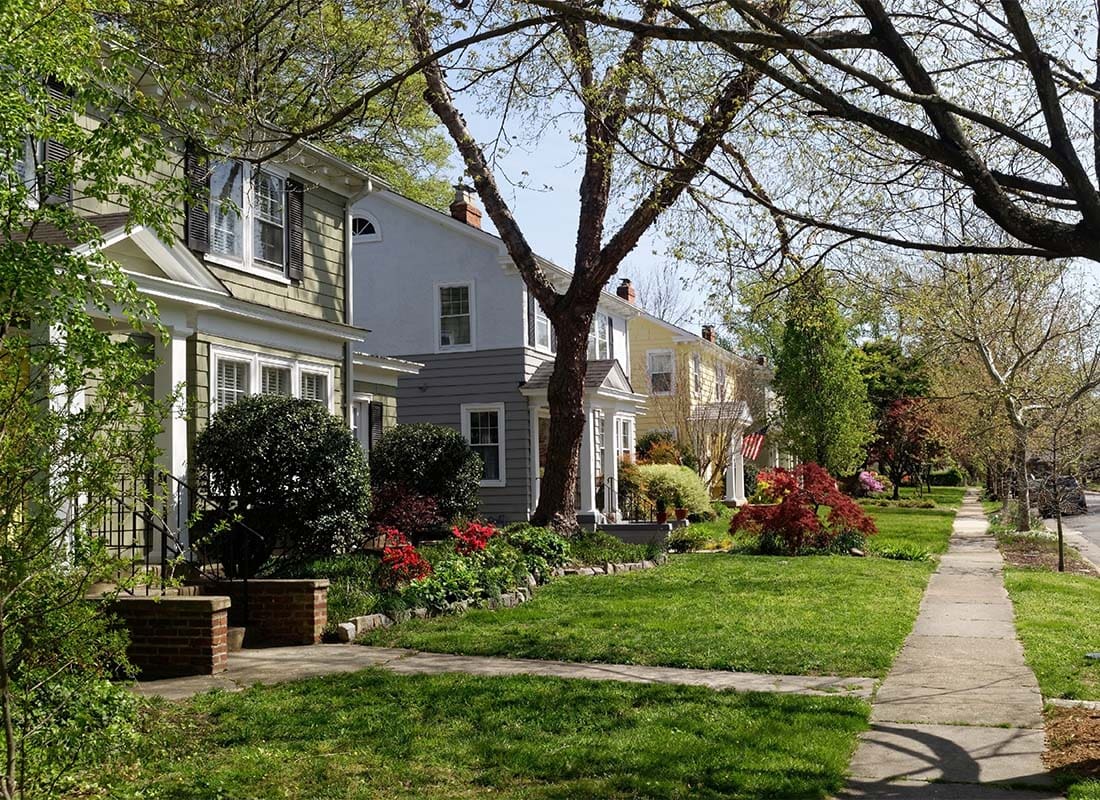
175	636
280	612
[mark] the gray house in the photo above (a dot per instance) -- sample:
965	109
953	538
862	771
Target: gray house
439	291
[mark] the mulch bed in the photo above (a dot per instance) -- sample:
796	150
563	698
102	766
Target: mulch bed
1037	552
1073	740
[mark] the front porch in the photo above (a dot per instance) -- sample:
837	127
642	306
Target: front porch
611	407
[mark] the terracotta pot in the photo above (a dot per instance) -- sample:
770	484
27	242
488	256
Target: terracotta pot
681	513
662	517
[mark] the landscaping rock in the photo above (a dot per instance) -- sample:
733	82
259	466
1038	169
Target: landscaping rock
420	613
461	607
648	565
346	632
532	581
609	568
570	571
585	571
557	572
372	621
855	551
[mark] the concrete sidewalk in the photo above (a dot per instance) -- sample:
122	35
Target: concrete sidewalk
279	664
960	714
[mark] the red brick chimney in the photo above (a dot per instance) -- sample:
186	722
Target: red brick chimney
464	208
625	290
708	333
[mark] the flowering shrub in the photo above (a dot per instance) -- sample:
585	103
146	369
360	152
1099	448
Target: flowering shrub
472	537
870	482
400	560
786	514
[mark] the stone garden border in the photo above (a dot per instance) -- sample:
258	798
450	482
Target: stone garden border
349	630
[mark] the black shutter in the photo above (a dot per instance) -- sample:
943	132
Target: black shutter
530	319
374	424
610	339
196	221
55	189
295	221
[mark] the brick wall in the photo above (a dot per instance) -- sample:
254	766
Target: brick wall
175	636
280	612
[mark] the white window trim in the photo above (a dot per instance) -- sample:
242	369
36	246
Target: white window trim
465	410
438	306
247	263
255	360
366	237
672	373
541	315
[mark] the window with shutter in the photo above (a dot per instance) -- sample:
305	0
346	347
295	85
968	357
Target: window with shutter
314	386
374	412
275	380
56	185
196	222
295	222
269	225
232	382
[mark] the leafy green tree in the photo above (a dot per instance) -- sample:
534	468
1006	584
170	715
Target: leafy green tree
891	374
825	415
75	417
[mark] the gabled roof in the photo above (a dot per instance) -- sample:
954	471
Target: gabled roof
603	376
683	335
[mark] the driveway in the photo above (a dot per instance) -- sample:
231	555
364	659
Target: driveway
1087	526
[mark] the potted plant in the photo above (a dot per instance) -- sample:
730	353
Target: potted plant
678	503
663	493
662	511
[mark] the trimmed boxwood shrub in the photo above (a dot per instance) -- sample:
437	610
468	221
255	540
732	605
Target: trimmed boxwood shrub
430	460
296	475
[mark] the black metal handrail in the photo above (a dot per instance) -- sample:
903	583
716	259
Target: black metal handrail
635	506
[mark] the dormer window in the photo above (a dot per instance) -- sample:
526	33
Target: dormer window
364	229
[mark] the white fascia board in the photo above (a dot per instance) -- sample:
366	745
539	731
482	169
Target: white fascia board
395	365
206	300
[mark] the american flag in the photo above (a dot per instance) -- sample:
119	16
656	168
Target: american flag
752	444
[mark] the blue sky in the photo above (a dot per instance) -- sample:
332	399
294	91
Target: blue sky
541	186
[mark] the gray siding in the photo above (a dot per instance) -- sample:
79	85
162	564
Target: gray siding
485	376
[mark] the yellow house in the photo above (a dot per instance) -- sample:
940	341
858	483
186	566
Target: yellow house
700	392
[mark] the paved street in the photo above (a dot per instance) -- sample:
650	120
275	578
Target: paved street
1083	530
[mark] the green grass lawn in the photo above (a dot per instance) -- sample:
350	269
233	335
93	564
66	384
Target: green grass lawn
377	735
1057	622
925	528
804	615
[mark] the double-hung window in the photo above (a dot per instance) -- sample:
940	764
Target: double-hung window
697	373
659	364
483	427
275	379
626	441
455	316
599	337
248	217
544	337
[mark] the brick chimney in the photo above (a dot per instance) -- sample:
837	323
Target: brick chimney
464	208
708	333
625	290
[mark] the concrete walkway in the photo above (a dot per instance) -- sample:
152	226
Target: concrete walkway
960	714
279	664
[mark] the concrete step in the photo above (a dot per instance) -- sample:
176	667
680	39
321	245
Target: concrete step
235	639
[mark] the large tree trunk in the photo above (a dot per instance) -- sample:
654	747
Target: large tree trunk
565	395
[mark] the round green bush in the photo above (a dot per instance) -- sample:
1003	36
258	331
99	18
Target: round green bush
296	477
676	486
431	460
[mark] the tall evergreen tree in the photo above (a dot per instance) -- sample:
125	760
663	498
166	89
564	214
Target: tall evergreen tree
825	415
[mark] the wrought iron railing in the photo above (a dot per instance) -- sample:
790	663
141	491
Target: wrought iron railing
634	506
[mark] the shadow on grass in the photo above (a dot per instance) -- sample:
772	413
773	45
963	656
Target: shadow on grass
374	734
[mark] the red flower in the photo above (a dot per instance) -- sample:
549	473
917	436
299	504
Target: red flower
400	560
472	538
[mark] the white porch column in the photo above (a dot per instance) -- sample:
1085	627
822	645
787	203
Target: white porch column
610	466
534	457
170	377
588	464
735	471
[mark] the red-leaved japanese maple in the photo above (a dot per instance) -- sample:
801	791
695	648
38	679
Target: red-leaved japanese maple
789	519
